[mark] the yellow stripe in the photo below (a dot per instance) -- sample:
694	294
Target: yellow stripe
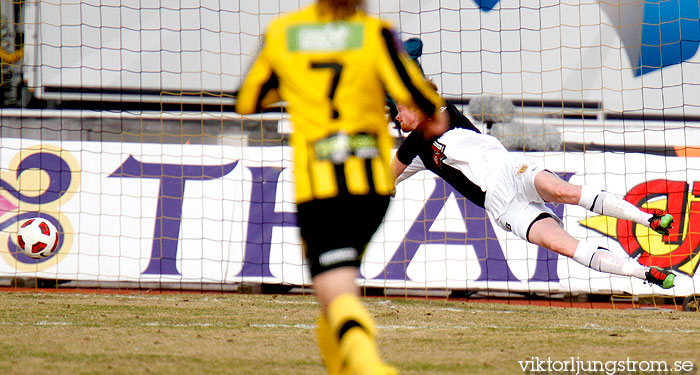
356	176
324	183
383	183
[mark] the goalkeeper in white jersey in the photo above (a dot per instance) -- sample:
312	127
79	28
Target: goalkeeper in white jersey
513	189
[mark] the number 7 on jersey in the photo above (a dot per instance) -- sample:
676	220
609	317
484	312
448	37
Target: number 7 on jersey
337	70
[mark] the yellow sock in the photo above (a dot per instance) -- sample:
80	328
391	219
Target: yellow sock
350	321
328	345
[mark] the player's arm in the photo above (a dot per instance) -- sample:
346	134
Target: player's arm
397	167
402	171
406	162
259	88
403	78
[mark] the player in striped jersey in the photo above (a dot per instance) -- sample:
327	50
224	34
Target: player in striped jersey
333	64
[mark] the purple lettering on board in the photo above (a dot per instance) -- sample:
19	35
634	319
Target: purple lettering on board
56	168
479	234
262	219
170	198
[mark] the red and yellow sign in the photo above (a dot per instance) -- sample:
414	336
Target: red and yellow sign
680	250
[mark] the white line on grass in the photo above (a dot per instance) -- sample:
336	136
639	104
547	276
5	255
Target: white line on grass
293	302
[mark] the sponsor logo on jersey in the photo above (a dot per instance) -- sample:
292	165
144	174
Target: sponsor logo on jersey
523	168
340	146
438	153
328	37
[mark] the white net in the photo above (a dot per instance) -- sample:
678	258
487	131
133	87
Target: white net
132	146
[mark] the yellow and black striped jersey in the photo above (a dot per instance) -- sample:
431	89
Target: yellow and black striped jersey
334	76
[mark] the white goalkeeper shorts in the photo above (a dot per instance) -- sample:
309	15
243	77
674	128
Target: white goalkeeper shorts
511	197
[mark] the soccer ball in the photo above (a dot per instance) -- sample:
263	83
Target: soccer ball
37	238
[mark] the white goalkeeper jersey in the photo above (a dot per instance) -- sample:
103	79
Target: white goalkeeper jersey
467	159
475	155
480	168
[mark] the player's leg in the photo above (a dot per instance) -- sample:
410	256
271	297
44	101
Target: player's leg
335	233
548	233
351	347
329	287
517	205
554	189
328	345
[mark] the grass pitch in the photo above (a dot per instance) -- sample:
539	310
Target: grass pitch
70	333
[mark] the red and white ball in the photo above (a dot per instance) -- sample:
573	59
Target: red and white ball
37	238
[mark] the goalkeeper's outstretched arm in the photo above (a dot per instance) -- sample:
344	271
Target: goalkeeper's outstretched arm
401	171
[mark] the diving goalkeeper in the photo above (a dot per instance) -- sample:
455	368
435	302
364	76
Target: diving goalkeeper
513	189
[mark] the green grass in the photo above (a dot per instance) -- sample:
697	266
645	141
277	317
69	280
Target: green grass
68	333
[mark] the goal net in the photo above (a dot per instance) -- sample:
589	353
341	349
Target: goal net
120	128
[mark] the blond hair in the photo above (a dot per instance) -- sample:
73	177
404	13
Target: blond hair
340	9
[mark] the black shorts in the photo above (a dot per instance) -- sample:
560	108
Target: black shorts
336	231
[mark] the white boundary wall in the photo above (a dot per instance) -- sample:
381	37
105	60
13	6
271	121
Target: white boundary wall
236	223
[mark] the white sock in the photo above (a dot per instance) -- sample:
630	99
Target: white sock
601	259
584	253
604	203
